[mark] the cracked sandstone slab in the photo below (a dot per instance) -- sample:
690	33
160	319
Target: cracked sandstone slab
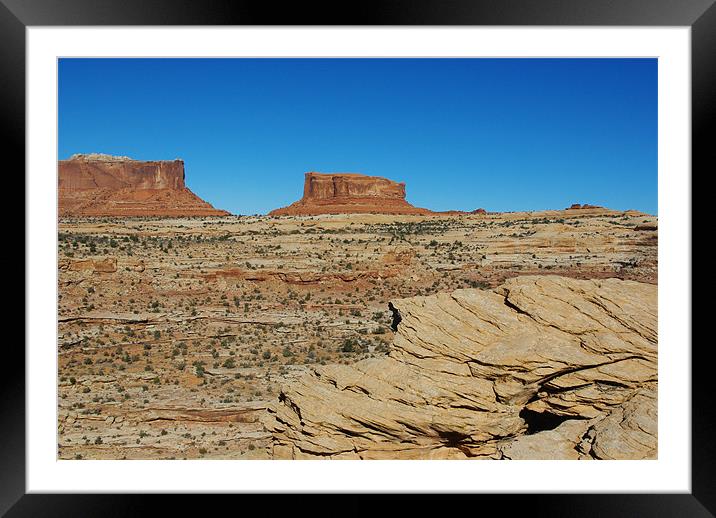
467	367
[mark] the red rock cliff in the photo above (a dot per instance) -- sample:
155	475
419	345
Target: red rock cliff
81	174
346	193
103	185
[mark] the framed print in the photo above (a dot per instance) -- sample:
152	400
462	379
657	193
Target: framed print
402	241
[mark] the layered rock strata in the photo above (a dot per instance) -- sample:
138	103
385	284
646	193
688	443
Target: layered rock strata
541	367
104	185
349	193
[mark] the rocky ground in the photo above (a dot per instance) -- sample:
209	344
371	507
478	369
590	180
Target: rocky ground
543	367
178	337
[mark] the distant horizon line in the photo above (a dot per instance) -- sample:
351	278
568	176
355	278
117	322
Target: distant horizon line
120	158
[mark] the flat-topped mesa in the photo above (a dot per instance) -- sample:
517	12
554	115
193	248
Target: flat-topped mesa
318	186
96	171
579	206
346	193
105	185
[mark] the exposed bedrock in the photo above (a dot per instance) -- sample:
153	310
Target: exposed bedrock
541	367
105	185
346	193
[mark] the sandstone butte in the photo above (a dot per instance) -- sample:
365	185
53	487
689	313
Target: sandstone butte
105	185
541	367
349	193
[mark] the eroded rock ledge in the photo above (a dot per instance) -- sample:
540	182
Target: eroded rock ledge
539	368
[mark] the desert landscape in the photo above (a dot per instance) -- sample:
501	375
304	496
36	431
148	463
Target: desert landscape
349	324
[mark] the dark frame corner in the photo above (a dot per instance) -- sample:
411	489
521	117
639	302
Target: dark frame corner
700	15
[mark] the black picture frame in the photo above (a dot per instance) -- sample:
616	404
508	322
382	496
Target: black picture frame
700	15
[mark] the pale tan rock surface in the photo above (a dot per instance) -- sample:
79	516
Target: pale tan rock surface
175	334
540	367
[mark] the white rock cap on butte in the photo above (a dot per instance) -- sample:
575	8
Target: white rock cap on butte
101	157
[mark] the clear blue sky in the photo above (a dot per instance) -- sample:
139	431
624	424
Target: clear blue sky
503	134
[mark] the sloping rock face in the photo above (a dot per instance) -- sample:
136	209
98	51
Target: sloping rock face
349	193
542	367
103	185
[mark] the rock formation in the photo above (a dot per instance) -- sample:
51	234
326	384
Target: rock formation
578	206
542	367
346	193
105	185
105	265
479	211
